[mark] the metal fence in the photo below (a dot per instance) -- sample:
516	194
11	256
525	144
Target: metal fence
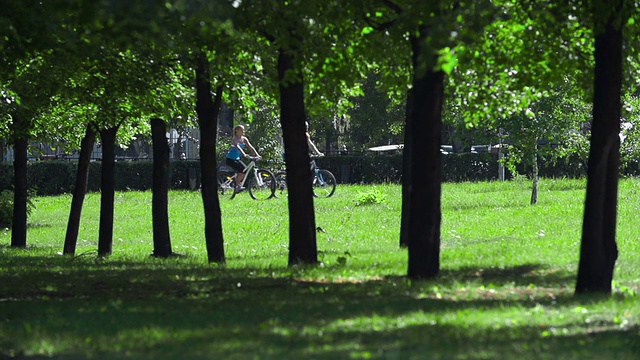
183	145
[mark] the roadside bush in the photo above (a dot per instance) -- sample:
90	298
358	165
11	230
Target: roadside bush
134	175
372	197
6	208
52	177
376	168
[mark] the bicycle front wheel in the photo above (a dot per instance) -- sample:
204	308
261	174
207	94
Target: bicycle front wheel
226	185
263	186
324	184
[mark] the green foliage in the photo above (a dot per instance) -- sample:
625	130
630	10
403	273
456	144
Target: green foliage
52	177
372	197
547	127
373	117
264	132
6	208
630	132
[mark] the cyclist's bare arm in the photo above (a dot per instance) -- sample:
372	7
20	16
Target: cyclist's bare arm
255	152
312	147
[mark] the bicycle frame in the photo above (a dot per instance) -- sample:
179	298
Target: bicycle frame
250	167
322	180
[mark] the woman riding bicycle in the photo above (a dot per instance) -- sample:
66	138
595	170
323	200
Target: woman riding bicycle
312	147
237	151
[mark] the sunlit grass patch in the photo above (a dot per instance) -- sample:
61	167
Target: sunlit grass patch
505	289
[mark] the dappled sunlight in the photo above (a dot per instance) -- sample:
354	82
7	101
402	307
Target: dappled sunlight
506	285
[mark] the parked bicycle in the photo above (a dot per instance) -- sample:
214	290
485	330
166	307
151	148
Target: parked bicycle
260	183
324	182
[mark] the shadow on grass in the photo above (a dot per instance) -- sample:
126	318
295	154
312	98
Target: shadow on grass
38	225
521	275
480	205
172	310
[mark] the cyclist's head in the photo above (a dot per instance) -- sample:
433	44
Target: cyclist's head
238	130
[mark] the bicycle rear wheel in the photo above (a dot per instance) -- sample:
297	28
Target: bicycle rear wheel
226	185
324	184
263	186
281	184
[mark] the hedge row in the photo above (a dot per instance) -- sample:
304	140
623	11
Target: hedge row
52	177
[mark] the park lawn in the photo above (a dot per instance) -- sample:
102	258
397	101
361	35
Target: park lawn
505	290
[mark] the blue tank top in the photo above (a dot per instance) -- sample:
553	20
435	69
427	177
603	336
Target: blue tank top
234	153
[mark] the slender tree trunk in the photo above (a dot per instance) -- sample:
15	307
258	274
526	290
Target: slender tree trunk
79	191
426	165
160	200
406	175
535	173
302	227
599	251
208	111
107	188
20	192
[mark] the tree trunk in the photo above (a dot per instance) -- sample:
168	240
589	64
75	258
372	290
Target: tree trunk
406	175
302	228
79	191
208	110
599	251
160	201
426	164
225	119
107	191
534	175
20	191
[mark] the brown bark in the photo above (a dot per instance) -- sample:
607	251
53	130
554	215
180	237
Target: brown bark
426	165
598	250
208	110
406	175
160	200
20	192
79	191
302	229
107	188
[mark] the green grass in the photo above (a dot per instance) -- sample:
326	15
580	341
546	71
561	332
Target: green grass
505	290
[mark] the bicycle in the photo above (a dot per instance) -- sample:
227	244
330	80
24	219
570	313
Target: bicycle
324	182
261	183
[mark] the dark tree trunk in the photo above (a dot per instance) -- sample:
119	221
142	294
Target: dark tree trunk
535	176
160	200
107	191
406	175
599	251
20	192
79	191
426	166
302	229
208	111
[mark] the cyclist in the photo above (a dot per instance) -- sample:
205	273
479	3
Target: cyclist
236	151
312	147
